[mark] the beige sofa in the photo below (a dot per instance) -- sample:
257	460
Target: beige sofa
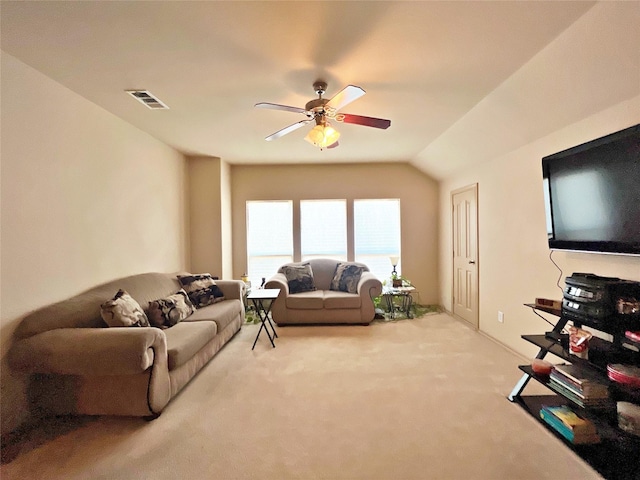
78	365
323	305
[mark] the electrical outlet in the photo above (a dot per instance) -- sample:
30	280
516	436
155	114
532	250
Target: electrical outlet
500	316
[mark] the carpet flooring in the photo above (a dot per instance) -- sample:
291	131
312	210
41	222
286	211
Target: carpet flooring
416	399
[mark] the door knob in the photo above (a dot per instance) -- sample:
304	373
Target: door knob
472	262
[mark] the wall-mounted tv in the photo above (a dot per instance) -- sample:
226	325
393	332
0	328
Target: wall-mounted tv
592	195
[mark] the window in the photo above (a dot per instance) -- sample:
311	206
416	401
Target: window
269	238
323	229
323	233
377	234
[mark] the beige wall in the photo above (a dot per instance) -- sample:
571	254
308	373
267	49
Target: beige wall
589	78
226	221
418	200
86	198
210	216
514	264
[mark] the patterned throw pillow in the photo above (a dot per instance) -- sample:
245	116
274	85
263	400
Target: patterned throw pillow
201	288
346	277
166	312
299	278
123	311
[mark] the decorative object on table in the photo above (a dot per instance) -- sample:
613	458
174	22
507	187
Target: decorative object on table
551	304
628	306
396	281
541	367
579	342
625	374
635	336
629	417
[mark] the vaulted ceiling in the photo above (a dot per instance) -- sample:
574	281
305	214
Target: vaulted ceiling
424	66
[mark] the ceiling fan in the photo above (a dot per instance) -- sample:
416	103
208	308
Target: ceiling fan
323	135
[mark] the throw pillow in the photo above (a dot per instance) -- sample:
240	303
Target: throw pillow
299	278
123	311
166	312
201	288
346	277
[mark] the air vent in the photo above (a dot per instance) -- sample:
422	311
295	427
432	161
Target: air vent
146	97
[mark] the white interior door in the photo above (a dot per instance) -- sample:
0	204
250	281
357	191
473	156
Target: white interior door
465	253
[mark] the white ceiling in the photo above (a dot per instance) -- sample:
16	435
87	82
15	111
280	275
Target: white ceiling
424	66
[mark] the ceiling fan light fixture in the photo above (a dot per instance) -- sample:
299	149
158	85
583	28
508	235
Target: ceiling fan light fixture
322	136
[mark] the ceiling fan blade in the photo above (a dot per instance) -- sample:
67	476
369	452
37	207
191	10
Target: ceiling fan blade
366	121
344	97
334	145
286	108
289	129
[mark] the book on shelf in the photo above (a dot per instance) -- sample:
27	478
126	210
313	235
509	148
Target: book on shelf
599	391
582	381
578	399
569	424
579	375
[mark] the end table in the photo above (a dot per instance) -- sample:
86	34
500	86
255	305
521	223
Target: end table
406	300
258	298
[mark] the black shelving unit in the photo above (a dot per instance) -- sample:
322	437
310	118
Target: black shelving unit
617	456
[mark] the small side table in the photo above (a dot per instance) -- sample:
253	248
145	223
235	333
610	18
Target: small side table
258	298
406	300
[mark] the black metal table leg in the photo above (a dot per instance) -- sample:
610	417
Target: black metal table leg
264	313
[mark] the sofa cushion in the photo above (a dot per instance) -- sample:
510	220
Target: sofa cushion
306	300
166	312
334	299
346	277
123	311
299	278
185	339
222	313
201	288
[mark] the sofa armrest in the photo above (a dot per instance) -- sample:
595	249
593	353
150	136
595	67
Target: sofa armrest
279	280
279	306
89	351
369	286
231	288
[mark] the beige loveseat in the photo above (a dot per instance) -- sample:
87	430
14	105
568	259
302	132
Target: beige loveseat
78	365
323	305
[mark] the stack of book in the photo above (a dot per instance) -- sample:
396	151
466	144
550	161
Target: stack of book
566	422
580	386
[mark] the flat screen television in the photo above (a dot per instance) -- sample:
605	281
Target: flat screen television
592	195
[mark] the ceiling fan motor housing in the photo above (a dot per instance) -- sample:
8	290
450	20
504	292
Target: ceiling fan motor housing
320	87
317	106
